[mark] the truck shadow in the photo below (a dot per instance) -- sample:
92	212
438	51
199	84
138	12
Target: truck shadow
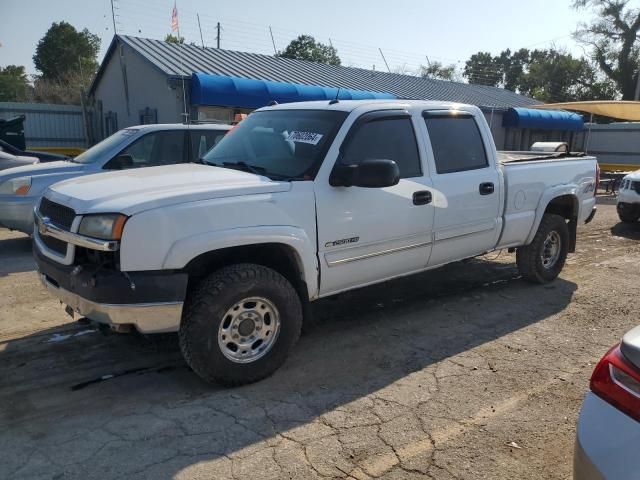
626	230
15	255
360	343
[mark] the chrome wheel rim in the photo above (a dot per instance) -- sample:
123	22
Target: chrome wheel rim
551	250
249	330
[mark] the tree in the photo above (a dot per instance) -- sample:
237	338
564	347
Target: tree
550	75
173	39
483	69
438	71
63	48
612	36
556	76
13	83
305	47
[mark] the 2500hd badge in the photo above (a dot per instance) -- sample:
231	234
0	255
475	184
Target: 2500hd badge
344	241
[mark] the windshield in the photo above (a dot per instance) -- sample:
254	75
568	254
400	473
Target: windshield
97	152
280	144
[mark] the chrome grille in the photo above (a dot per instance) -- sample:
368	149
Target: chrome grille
58	214
54	244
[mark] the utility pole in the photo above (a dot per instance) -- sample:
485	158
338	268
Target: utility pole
218	35
637	95
385	60
113	17
275	50
200	28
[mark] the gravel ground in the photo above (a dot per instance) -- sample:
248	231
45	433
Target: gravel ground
462	372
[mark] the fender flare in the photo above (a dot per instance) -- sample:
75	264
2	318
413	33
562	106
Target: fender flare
184	250
547	197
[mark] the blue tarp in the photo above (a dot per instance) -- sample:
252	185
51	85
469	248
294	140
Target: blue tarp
249	93
542	119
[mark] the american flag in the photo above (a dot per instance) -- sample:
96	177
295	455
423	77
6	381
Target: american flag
174	18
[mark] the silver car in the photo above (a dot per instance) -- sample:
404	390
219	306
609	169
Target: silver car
133	147
608	431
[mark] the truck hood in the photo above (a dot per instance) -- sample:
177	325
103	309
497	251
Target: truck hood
134	191
40	169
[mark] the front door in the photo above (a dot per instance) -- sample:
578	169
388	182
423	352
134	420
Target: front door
368	234
466	185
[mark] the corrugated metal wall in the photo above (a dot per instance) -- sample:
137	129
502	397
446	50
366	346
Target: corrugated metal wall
616	144
48	125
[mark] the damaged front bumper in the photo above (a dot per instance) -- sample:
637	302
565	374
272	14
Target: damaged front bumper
149	301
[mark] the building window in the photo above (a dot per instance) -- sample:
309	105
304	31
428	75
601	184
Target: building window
215	114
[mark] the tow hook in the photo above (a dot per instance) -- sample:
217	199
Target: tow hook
131	284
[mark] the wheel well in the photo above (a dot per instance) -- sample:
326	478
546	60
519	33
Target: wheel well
567	207
281	258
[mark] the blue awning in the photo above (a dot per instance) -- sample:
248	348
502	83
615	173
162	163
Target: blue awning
249	93
542	119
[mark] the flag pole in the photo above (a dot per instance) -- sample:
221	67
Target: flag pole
184	92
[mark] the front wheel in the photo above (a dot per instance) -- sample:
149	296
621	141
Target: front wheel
542	260
239	324
627	213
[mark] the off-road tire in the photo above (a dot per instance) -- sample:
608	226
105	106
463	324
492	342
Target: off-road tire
528	258
206	306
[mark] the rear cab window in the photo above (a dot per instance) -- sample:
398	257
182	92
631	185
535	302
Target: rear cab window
456	142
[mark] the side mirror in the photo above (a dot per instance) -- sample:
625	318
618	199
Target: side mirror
374	173
120	162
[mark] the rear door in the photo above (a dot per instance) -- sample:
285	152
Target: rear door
466	186
368	234
163	147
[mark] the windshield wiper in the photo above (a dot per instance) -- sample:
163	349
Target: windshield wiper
246	167
202	161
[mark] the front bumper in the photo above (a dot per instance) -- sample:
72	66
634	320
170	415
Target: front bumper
16	213
150	301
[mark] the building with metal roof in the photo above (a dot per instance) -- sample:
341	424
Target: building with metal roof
143	80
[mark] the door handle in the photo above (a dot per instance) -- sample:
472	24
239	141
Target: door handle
486	188
422	197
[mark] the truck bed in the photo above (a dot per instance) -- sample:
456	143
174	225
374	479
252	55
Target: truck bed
506	157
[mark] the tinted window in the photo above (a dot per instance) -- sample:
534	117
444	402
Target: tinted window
202	141
457	143
391	139
98	151
157	148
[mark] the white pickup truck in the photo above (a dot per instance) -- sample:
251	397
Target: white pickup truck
299	202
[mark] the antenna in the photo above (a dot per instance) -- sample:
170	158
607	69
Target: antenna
200	28
335	100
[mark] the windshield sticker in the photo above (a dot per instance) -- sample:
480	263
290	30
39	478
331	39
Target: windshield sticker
305	137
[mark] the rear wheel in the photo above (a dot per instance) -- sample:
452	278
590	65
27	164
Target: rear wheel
239	324
543	259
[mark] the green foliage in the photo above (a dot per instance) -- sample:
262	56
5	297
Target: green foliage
305	47
438	71
483	69
14	84
548	75
64	49
173	39
612	37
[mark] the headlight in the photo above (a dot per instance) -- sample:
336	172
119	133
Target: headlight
103	226
16	186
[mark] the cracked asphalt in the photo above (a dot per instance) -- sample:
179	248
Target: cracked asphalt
465	372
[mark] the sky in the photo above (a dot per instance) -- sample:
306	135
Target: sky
410	33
